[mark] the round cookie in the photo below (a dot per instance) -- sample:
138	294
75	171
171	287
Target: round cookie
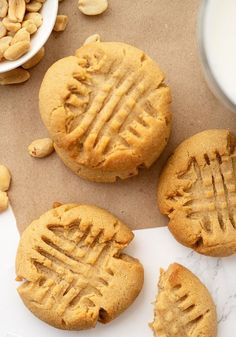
183	306
107	110
73	270
197	190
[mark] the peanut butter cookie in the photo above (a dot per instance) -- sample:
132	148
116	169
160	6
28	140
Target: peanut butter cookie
107	110
184	307
73	270
197	190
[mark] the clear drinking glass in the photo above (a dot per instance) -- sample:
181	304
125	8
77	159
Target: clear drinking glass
217	44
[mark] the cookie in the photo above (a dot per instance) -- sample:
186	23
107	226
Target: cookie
197	190
184	307
73	270
107	110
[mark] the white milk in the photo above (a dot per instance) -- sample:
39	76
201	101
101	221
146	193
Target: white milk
219	42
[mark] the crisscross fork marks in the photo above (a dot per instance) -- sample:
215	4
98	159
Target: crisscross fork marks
97	103
71	272
213	195
177	303
129	107
133	130
201	187
143	111
190	315
216	180
229	185
130	120
111	108
66	287
79	104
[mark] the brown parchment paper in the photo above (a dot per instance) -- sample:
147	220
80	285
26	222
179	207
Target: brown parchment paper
166	30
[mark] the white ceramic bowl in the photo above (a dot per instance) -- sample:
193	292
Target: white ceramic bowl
38	40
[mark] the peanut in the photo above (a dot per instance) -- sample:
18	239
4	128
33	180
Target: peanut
16	50
41	148
16	11
14	76
61	23
10	25
92	39
3	30
3	8
3	201
4	44
21	35
5	39
35	17
30	26
92	7
5	178
33	6
34	60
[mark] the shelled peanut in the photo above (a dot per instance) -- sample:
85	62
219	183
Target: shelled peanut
41	148
61	23
92	39
15	76
19	20
92	7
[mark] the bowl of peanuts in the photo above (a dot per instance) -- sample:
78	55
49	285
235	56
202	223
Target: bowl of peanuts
25	26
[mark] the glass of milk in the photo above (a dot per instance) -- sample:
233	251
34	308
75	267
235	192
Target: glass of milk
217	41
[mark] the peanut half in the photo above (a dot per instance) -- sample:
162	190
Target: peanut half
5	178
16	50
21	35
41	148
3	8
30	26
16	11
4	44
92	7
3	201
35	17
3	30
92	39
34	6
61	23
10	25
14	76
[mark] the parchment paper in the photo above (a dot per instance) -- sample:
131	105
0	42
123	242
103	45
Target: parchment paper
166	30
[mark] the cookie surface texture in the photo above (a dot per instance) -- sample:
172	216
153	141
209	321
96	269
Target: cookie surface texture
183	306
107	110
197	190
73	270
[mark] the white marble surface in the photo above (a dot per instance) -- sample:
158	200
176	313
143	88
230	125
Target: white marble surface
155	248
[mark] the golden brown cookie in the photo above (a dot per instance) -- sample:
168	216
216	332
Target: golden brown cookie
197	190
107	110
184	307
73	270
